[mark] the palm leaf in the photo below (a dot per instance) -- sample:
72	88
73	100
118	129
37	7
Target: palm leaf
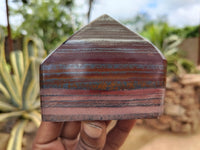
4	91
17	83
36	103
28	99
25	52
9	84
4	116
15	141
35	116
17	63
29	82
2	53
33	93
6	106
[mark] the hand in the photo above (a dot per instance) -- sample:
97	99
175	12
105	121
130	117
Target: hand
85	135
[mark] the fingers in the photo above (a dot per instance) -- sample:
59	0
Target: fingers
92	135
48	131
118	134
70	133
47	136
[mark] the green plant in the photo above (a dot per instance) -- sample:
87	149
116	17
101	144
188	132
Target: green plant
161	36
19	88
176	63
156	33
187	32
51	20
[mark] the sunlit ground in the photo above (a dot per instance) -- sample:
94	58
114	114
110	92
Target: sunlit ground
142	138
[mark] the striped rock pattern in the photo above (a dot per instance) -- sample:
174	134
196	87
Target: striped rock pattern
103	72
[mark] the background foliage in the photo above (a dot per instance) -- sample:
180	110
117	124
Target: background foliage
167	39
51	21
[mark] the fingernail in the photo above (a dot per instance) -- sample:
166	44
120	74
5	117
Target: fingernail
92	130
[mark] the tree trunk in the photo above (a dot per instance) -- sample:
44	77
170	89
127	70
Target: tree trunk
10	42
199	48
89	10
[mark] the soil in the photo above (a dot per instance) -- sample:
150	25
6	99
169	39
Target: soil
144	138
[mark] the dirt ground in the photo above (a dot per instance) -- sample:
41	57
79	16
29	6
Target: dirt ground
143	138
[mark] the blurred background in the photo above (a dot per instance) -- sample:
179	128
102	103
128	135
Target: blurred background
31	29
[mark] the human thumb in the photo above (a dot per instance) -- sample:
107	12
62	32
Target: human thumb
92	135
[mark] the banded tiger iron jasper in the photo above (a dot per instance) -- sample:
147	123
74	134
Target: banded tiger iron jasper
103	72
